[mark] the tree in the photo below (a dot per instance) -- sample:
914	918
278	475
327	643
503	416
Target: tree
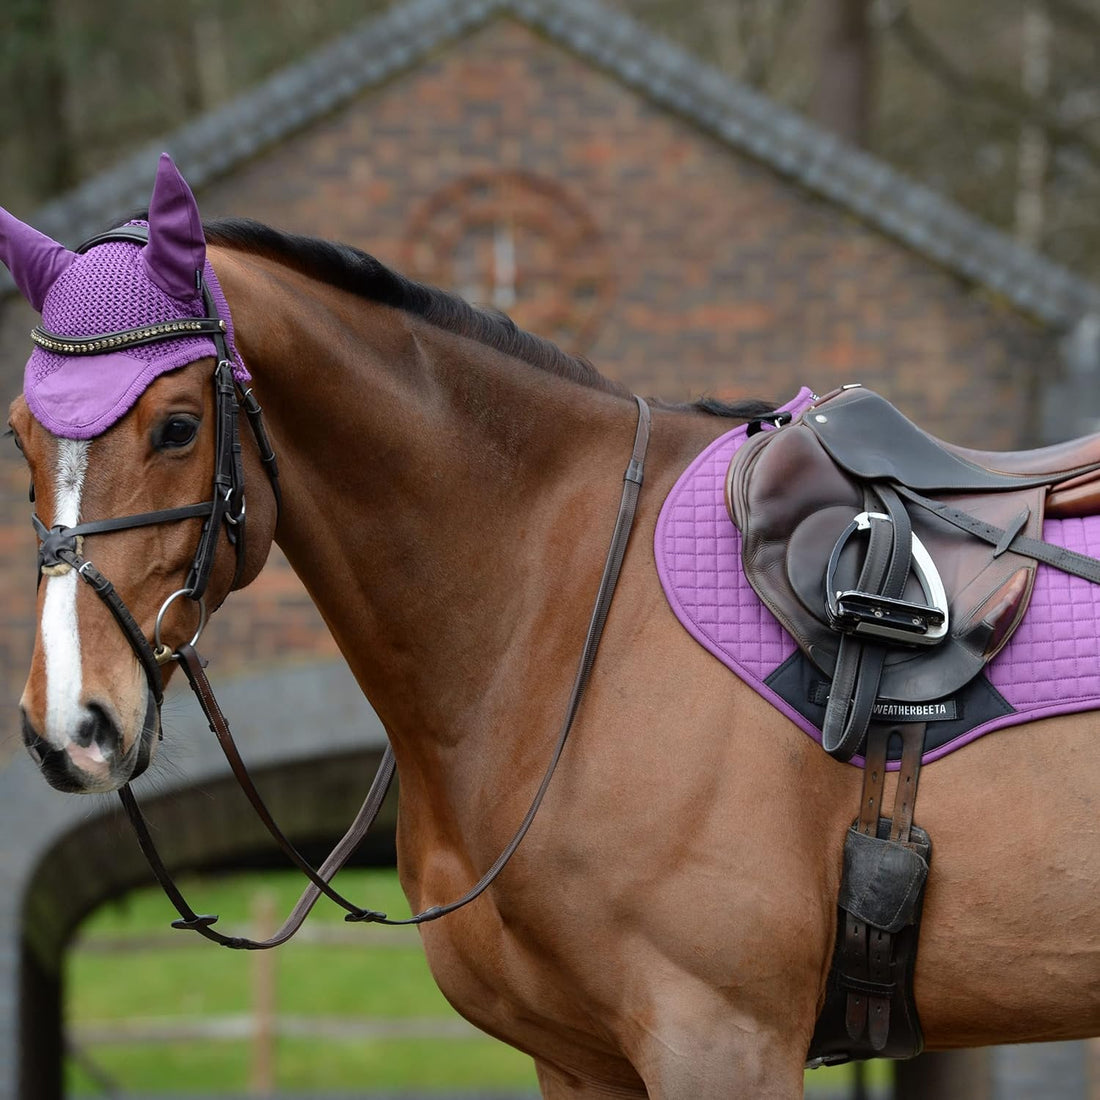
846	69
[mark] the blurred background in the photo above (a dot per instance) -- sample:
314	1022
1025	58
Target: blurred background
728	198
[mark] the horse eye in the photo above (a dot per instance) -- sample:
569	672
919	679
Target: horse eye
178	431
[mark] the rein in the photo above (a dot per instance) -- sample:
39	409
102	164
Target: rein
60	547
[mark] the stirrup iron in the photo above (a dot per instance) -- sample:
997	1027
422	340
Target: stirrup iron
851	611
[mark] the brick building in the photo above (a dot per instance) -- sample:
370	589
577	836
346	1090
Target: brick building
553	159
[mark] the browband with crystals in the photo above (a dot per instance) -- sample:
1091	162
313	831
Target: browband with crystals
126	338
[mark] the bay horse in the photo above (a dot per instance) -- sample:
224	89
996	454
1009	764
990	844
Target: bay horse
448	487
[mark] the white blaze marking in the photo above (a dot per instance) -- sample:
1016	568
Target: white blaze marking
60	633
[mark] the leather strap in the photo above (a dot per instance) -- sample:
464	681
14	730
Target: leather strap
319	879
127	623
227	506
254	411
127	338
854	960
867	964
1068	561
189	919
860	662
54	537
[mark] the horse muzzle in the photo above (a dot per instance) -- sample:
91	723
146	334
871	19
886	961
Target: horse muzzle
93	760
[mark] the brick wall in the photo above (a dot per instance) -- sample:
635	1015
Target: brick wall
684	270
727	280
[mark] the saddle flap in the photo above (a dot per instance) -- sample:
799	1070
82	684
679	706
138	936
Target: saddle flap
792	502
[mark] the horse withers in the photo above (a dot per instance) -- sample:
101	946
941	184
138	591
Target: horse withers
448	489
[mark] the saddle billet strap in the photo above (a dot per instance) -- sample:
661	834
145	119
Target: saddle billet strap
881	944
1068	561
869	970
854	957
319	879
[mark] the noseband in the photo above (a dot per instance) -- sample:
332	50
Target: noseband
61	547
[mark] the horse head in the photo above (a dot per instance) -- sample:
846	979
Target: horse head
138	471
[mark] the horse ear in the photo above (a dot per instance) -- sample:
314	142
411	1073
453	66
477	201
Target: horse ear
34	260
176	251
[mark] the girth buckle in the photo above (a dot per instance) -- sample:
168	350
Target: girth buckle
852	611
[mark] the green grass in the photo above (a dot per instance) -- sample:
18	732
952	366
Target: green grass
305	1065
196	979
192	979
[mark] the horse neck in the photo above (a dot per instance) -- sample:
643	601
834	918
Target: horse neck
439	501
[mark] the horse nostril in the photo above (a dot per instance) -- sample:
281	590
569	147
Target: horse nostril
97	729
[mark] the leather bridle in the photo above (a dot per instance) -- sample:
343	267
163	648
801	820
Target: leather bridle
61	546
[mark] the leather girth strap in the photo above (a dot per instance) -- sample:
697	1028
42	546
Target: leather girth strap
869	1009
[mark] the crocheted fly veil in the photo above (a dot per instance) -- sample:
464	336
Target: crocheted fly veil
88	367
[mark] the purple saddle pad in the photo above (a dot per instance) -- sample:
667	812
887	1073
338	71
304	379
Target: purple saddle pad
1050	666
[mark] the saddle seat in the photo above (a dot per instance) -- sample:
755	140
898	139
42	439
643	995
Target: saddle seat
1054	459
1075	497
800	493
870	437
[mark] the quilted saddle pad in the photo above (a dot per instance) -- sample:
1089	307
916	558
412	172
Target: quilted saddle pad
1050	666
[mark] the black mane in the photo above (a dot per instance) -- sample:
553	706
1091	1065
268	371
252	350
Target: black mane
356	271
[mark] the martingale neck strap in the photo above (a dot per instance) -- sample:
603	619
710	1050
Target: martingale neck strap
321	877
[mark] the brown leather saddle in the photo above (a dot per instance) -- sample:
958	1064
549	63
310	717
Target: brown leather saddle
899	563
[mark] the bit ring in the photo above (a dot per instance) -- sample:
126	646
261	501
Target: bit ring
160	651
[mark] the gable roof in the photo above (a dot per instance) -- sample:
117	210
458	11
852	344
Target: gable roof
213	144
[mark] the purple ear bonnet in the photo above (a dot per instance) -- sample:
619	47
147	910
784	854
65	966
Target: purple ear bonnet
114	287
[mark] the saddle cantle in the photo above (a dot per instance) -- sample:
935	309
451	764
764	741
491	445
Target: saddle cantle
955	543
